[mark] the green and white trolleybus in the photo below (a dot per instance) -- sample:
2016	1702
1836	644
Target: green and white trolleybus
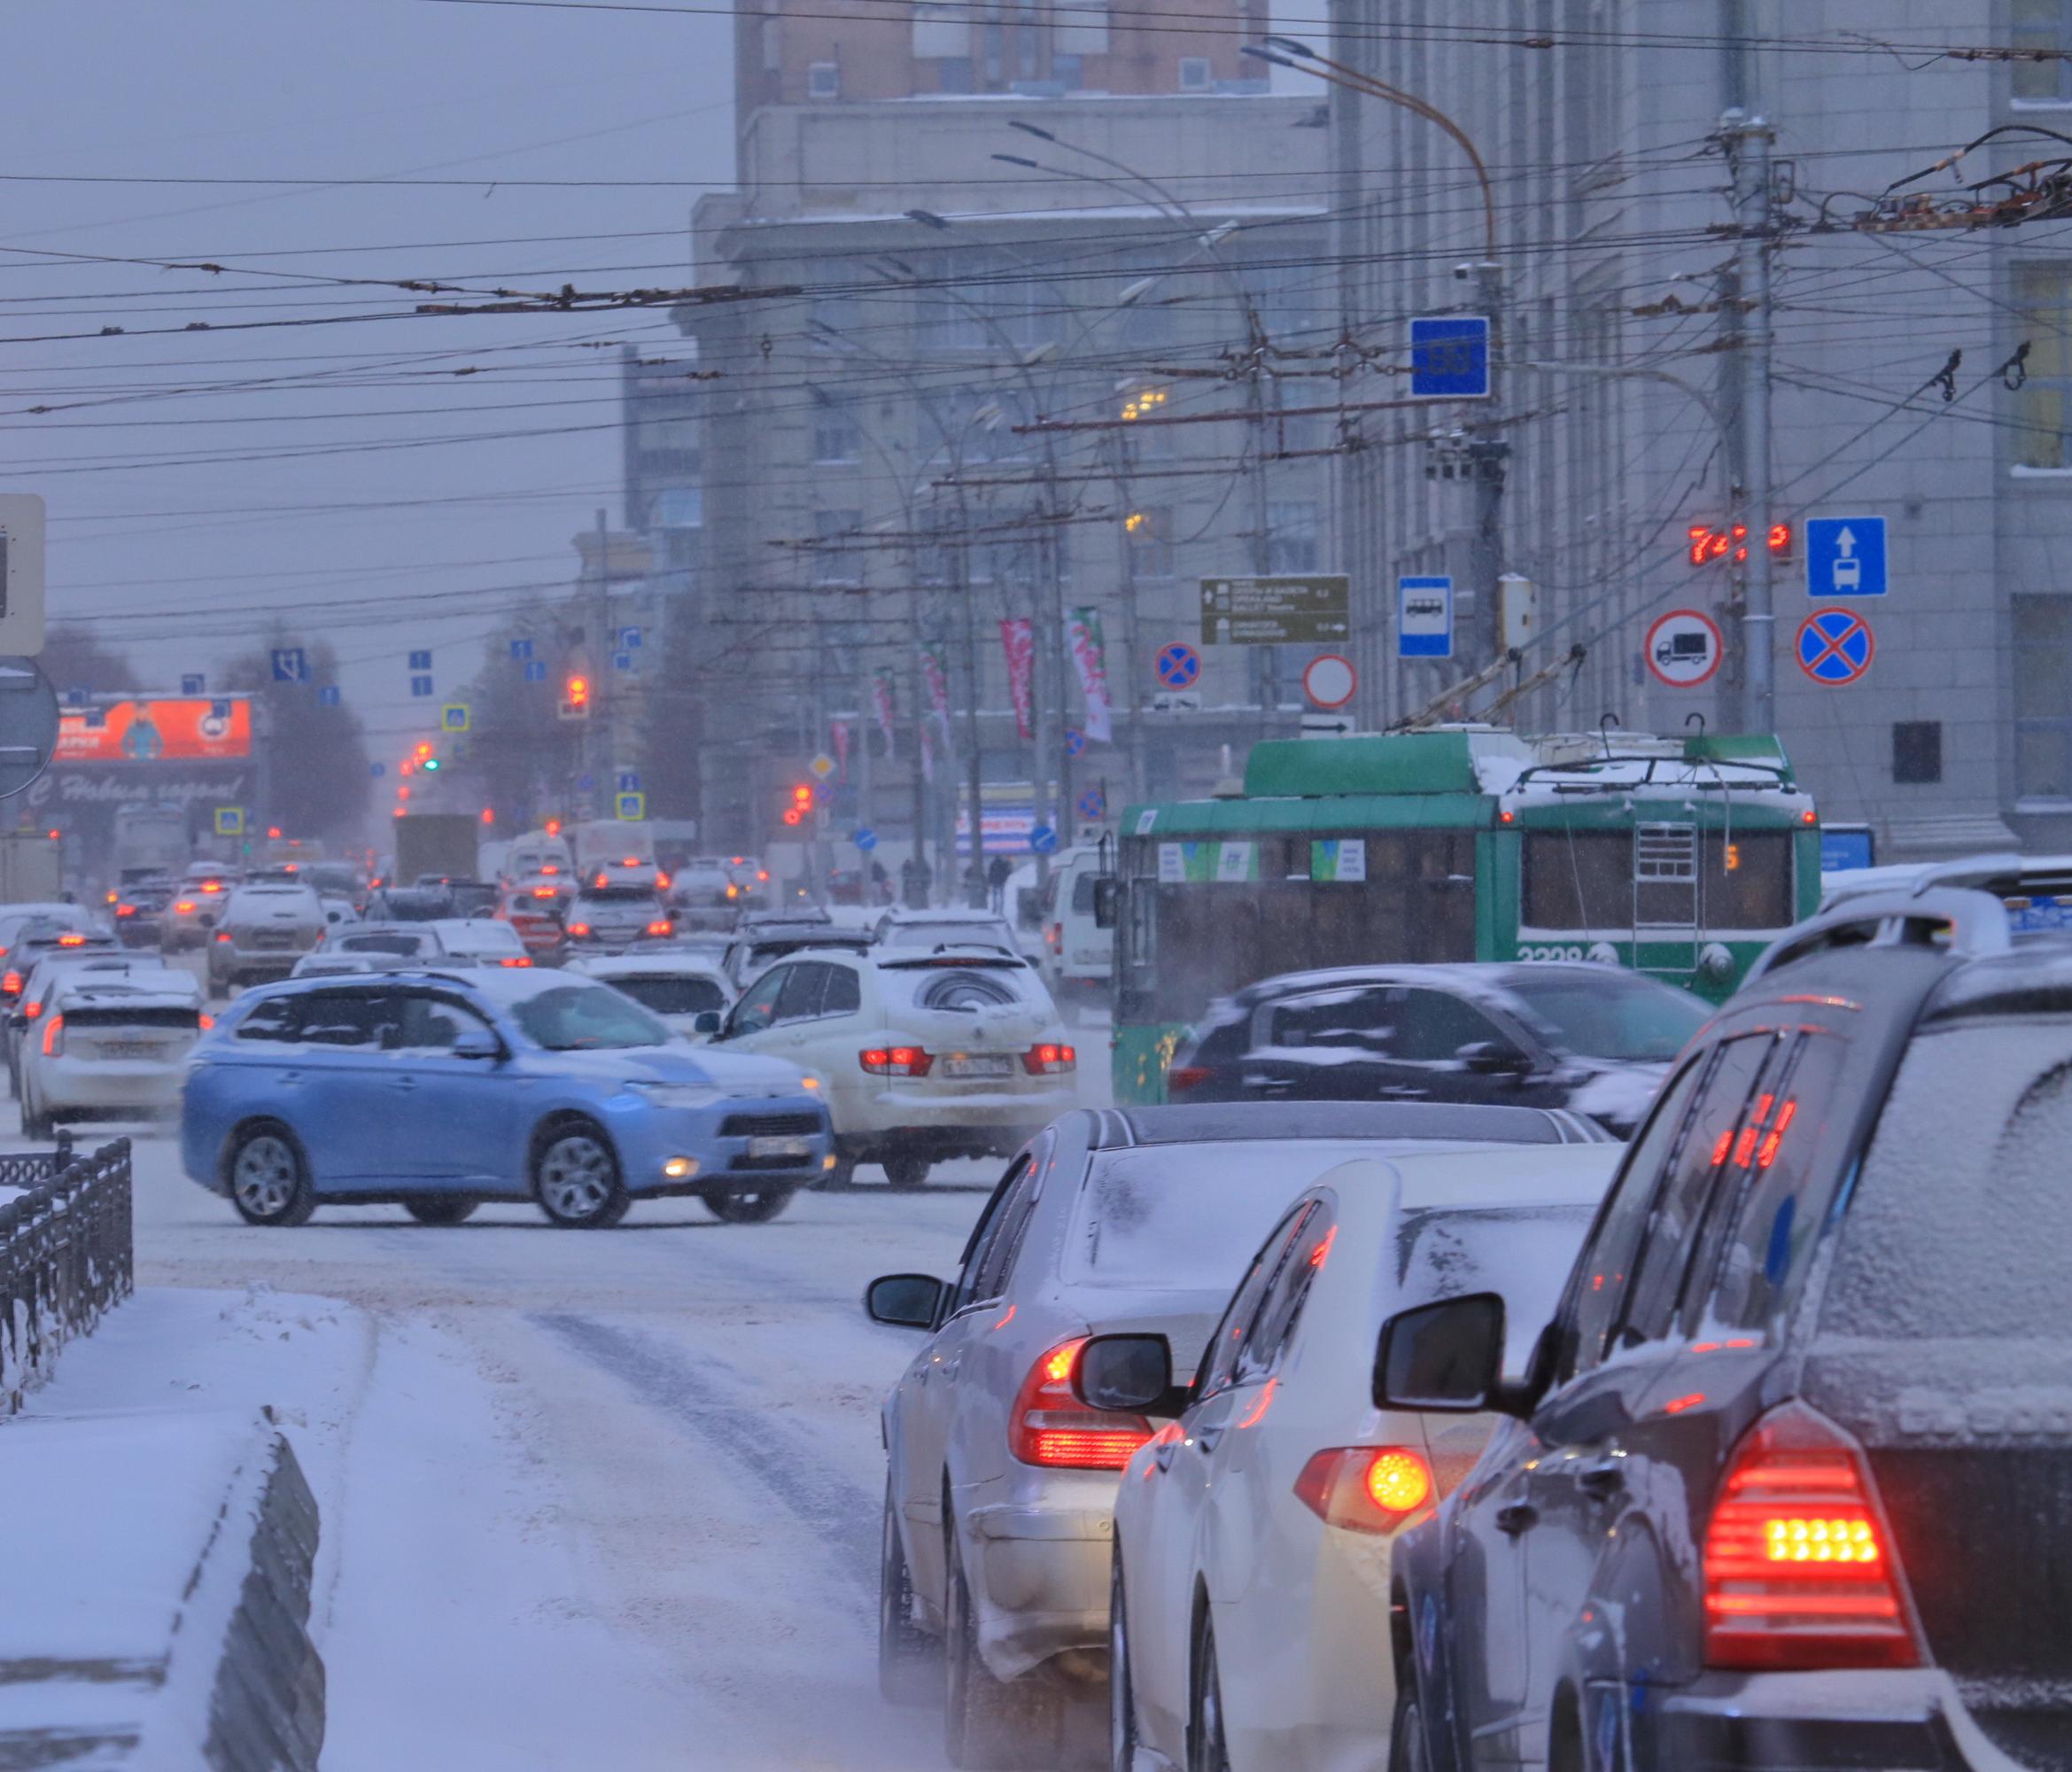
1681	857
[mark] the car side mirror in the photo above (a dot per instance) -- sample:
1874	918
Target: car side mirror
476	1043
1107	902
17	1020
1444	1359
708	1022
1493	1058
905	1300
1129	1375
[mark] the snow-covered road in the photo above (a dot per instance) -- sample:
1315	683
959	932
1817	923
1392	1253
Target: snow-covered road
590	1499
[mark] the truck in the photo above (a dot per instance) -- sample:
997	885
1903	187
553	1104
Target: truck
30	869
440	843
150	838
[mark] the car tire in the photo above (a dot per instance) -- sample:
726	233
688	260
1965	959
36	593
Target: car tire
988	1724
909	1659
1121	1695
1208	1749
576	1180
269	1181
1408	1749
439	1209
905	1174
748	1206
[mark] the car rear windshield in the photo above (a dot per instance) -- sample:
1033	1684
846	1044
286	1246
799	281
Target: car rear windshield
396	943
932	936
1616	1016
667	996
106	1015
1959	1223
587	1018
962	983
619	895
1187	1217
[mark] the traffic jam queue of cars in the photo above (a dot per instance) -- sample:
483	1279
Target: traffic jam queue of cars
1447	1434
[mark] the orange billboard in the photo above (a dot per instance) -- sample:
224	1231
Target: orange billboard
199	730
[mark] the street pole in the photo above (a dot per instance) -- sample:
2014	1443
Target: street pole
600	693
1488	460
1749	142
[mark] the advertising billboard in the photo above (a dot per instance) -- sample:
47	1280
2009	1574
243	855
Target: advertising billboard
172	731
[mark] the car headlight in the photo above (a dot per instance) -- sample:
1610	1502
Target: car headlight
678	1094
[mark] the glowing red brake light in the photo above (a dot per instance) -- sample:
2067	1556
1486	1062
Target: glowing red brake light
661	926
517	959
182	906
1365	1488
125	910
54	1038
222	934
895	1061
1052	1427
1799	1571
71	940
579	928
1181	1078
11	985
1049	1059
217	885
207	1021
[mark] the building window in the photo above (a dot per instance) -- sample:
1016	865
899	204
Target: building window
679	508
941	29
1147	532
1291	528
2042	25
1196	73
2043	407
837	559
956	71
823	80
1917	752
836	435
832	311
2043	698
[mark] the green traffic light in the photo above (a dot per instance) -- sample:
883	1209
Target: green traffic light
429	762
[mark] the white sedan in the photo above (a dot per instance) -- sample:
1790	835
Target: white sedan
109	1046
925	1056
684	989
1249	1615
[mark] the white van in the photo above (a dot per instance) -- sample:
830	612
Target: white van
535	853
1079	956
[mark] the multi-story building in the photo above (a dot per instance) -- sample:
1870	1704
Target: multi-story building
985	362
1630	315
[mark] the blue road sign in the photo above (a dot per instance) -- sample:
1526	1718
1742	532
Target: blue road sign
193	684
230	820
629	638
1844	848
220	711
865	839
622	661
535	671
1845	556
630	807
1425	617
521	650
377	770
629	781
1177	665
1093	804
327	696
1449	357
420	661
97	717
1835	646
586	782
421	686
290	664
78	696
1075	741
1043	839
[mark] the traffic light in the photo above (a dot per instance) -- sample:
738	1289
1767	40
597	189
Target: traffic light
489	815
801	804
575	698
431	765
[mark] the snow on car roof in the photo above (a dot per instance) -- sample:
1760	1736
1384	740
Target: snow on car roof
646	965
140	987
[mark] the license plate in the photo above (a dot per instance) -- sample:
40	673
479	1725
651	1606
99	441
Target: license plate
131	1049
271	940
778	1147
2040	914
978	1064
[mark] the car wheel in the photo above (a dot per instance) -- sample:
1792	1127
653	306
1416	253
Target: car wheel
269	1182
1407	1749
439	1209
1207	1748
906	1173
758	1206
908	1672
576	1180
988	1724
1122	1697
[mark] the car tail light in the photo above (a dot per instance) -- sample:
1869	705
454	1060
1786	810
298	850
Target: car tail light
1799	1570
54	1038
629	861
206	1021
1183	1077
32	1010
662	882
1052	1427
543	892
217	885
182	906
661	926
762	874
11	985
895	1061
1365	1488
517	959
602	880
222	934
1049	1059
125	910
1058	938
579	928
733	891
74	939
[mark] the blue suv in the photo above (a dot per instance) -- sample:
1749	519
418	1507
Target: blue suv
439	1092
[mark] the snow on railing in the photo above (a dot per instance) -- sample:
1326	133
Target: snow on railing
65	1255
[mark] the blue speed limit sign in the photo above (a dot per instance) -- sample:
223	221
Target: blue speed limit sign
1177	665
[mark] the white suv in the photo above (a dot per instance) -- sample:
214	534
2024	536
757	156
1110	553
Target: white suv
267	927
923	1055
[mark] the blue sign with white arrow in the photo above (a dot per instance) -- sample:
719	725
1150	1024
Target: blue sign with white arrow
1043	839
1845	556
866	840
290	664
420	661
521	650
535	671
327	696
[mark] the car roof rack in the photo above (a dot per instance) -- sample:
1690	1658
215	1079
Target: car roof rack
1958	920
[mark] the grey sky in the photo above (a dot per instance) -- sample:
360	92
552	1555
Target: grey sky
186	560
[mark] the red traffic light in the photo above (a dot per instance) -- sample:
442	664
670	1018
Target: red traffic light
792	815
489	815
578	692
